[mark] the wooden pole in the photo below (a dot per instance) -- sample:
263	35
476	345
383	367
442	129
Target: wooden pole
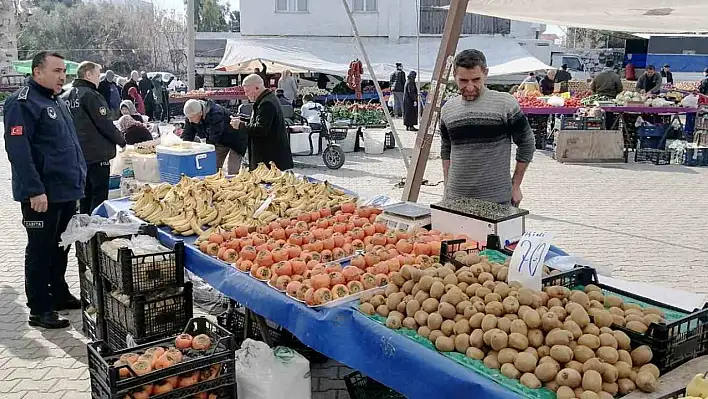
406	161
446	54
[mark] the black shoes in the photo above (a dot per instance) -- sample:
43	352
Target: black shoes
49	320
70	303
411	128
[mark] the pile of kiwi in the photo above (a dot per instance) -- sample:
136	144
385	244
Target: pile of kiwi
558	338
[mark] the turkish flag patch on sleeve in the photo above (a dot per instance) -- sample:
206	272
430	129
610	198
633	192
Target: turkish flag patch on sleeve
16	131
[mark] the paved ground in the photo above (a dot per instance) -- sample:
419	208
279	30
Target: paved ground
642	221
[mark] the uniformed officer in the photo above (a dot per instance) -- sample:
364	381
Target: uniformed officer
48	177
97	134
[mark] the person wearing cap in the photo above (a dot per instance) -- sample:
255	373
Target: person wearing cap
650	81
666	74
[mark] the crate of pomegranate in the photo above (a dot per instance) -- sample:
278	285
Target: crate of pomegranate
199	363
674	335
158	313
140	263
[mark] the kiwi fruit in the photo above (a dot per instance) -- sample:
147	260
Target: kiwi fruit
569	377
561	353
607	354
510	371
641	356
626	386
583	354
444	344
447	327
592	381
507	355
535	337
525	362
518	341
637	326
546	371
530	381
382	310
430	305
447	310
650	368
565	392
367	308
491	360
474	353
393	321
532	319
580	316
434	321
462	342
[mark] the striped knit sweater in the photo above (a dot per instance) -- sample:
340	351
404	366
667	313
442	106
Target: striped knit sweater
476	138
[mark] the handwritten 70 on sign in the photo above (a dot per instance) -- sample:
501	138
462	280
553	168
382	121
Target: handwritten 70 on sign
526	264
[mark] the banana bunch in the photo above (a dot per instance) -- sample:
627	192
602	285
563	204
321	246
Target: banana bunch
220	202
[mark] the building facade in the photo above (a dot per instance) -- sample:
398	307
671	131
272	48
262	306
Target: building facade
8	36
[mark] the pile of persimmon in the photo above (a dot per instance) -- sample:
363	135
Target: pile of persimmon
136	364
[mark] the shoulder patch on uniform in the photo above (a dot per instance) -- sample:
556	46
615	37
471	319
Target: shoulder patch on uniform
102	111
51	112
16	130
24	92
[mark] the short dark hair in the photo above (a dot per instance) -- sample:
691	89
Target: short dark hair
651	67
85	67
609	64
307	97
39	58
564	67
470	59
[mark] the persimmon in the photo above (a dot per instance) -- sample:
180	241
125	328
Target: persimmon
283	268
369	229
263	229
201	342
320	281
350	226
339	291
322	223
281	282
351	273
253	269
304	217
278	234
371	259
360	222
292	288
263	273
354	286
262	247
203	246
213	249
435	247
155	352
381	280
339	227
248	253
325	212
338	253
319	269
164	361
264	258
381	268
326	255
336	278
163	387
359	262
298	277
123	368
297	266
290	230
295	239
357	244
188	381
404	246
394	264
142	393
216	238
230	256
362	212
322	296
301	291
245	265
183	341
333	267
312	263
309	296
279	255
348	207
142	367
348	248
129	358
368	280
424	260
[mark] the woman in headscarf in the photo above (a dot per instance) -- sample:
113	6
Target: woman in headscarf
128	108
134	95
133	131
410	103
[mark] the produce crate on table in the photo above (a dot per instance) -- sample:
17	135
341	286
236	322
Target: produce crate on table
215	367
657	157
92	310
362	387
571	123
683	337
159	313
132	274
87	252
695	157
234	321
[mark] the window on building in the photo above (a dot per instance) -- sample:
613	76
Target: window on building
291	5
364	5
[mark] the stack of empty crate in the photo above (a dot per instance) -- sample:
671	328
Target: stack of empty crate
136	298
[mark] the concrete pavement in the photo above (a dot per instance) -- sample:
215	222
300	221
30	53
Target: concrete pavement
646	223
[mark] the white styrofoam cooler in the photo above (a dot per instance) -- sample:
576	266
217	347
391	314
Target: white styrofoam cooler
476	227
374	141
300	143
145	167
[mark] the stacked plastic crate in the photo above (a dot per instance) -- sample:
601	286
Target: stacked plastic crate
144	297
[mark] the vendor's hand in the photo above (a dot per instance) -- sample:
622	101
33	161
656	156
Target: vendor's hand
39	203
235	123
516	196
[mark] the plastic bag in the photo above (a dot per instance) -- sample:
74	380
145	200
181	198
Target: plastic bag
118	163
139	244
556	101
170	139
565	263
690	101
83	227
265	373
391	101
206	297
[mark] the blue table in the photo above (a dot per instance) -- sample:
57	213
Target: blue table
341	333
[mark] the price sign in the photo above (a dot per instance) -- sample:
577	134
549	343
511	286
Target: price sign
526	264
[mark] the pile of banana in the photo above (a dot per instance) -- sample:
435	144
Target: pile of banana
228	202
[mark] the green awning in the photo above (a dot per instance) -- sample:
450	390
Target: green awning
25	66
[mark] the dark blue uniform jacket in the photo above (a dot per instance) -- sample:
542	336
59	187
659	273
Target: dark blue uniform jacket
42	146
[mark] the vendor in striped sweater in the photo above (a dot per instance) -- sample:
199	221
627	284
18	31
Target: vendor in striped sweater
476	130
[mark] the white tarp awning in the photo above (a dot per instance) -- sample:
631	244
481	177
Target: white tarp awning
640	16
333	55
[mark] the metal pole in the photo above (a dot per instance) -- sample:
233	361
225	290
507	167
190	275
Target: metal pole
406	161
190	45
448	45
417	39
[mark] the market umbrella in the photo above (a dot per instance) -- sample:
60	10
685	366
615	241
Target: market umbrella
25	66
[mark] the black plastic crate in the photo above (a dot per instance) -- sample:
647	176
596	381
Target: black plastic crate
235	322
219	386
133	274
672	343
150	316
117	337
91	290
675	395
657	157
449	247
571	123
362	387
86	253
105	377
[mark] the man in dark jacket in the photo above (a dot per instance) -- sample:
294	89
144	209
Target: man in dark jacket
650	81
97	134
132	82
666	74
210	121
703	87
607	82
563	77
263	73
144	84
111	93
267	135
48	177
398	84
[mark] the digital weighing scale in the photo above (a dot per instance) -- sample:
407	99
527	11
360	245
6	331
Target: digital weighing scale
406	216
478	219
